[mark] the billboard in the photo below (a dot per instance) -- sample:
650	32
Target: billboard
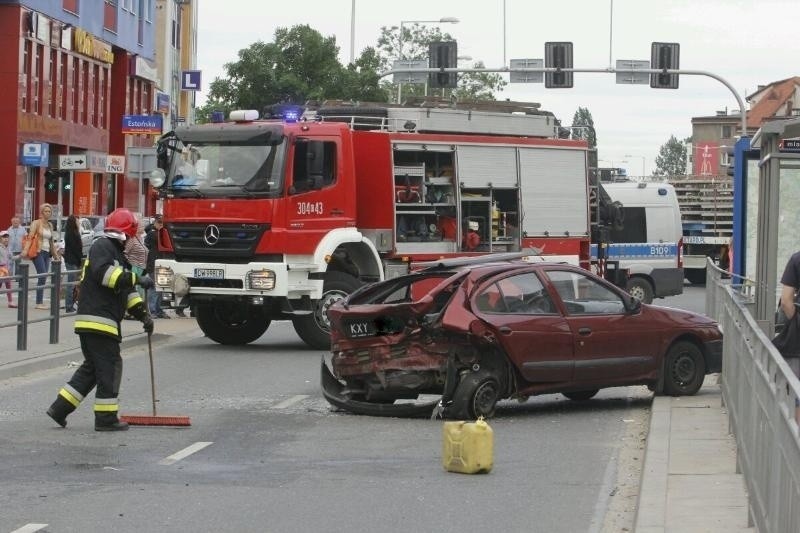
706	159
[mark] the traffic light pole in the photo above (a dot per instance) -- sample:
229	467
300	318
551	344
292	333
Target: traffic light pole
588	70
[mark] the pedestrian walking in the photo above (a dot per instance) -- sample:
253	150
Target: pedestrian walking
151	242
73	258
42	231
16	232
5	259
108	290
789	341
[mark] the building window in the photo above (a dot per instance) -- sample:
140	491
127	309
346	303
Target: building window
53	85
70	6
110	15
727	132
63	87
144	10
85	90
74	89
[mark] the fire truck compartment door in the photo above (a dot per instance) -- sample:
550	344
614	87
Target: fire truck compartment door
554	192
480	165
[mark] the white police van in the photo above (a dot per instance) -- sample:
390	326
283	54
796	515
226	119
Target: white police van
648	245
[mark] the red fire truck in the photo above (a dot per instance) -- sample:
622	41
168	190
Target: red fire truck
278	219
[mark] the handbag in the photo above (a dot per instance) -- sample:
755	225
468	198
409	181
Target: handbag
787	341
30	245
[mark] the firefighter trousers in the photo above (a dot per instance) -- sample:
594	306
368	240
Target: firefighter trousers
102	367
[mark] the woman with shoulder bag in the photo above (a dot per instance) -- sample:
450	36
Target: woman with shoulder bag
41	233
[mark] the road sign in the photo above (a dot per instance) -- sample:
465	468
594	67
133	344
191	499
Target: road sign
36	154
633	78
190	80
410	77
526	77
72	162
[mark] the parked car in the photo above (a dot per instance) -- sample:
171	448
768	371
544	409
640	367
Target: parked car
85	228
478	330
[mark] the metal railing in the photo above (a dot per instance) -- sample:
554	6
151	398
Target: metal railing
23	283
761	393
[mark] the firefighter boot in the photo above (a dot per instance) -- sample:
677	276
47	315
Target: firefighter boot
108	422
59	410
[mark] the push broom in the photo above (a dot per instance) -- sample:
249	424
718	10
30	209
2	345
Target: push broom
154	419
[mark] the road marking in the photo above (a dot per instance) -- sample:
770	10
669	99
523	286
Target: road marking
186	452
291	401
30	528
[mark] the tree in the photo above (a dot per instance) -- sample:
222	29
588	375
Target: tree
300	65
583	126
413	44
671	158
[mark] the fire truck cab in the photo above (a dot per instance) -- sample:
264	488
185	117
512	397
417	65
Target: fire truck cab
278	219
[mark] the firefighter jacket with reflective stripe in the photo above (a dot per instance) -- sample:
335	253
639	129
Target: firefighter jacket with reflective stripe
107	290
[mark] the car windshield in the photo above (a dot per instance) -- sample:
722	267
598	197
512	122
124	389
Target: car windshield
211	169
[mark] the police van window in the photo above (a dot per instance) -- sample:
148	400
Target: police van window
635	226
314	165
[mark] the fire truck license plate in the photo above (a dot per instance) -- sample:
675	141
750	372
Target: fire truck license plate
359	328
209	273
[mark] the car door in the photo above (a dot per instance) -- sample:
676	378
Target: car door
610	343
528	326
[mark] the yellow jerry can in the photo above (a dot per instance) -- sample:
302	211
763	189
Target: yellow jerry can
467	447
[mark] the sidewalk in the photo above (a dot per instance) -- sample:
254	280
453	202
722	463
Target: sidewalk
689	481
41	355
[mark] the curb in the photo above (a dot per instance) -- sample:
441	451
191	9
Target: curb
651	506
53	360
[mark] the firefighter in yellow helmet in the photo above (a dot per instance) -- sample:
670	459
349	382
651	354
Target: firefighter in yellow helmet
107	292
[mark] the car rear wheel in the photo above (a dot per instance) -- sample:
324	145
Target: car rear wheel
476	396
641	289
684	369
581	395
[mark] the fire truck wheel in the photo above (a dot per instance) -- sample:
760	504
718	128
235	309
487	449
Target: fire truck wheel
231	324
640	289
315	329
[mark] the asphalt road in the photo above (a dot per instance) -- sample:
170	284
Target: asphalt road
265	452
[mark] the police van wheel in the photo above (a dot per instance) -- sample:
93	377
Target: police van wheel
640	289
315	329
696	276
231	324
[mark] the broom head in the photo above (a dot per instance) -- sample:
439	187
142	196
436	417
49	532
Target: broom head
153	420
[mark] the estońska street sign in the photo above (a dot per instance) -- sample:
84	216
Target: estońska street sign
72	162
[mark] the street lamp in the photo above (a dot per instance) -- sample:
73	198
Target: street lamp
443	20
643	160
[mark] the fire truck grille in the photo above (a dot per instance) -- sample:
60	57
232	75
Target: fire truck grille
214	242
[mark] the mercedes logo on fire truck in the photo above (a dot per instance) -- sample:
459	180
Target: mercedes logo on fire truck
211	235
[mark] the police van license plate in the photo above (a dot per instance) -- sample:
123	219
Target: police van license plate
359	328
209	273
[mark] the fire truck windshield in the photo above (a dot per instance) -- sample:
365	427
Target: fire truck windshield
227	169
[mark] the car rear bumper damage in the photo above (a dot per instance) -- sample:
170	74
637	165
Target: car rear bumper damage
334	392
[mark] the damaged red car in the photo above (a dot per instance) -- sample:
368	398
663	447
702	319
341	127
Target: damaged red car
477	330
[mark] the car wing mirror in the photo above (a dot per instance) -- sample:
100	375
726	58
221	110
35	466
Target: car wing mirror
633	305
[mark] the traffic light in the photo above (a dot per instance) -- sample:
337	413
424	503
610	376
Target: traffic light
558	55
664	56
443	54
50	180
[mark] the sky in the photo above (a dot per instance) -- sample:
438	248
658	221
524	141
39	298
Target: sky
746	42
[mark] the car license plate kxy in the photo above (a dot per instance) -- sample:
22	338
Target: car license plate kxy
360	328
209	273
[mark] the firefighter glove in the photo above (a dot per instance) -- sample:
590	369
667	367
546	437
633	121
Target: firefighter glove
147	324
138	311
145	282
126	281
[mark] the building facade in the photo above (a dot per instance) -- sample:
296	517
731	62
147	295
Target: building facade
70	70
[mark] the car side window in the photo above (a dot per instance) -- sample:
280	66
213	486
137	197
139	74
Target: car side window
522	294
583	295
